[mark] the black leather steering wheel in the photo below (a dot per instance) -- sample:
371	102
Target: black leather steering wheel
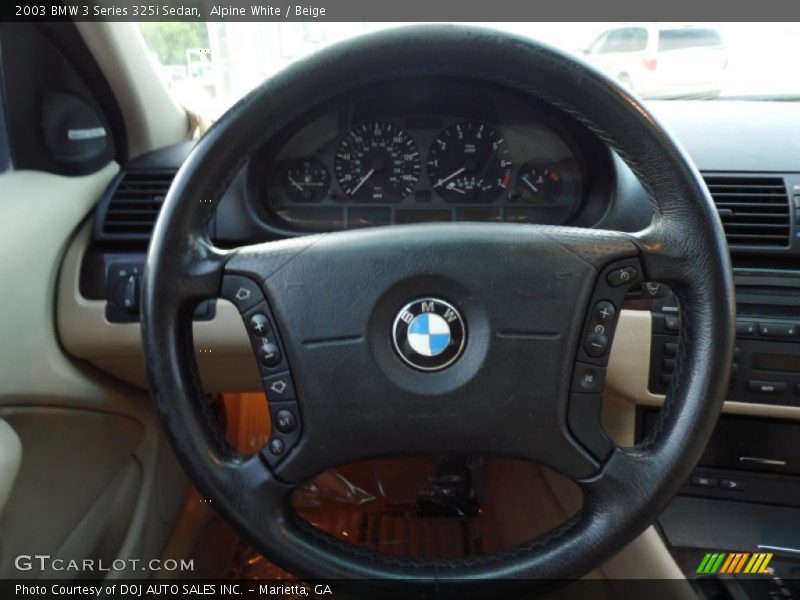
529	298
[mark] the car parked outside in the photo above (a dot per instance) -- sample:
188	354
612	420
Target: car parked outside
659	61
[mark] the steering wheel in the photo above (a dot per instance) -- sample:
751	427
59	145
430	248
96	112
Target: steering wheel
344	325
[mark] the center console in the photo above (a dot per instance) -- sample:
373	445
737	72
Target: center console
744	495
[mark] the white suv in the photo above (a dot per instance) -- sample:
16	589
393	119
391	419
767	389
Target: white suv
653	60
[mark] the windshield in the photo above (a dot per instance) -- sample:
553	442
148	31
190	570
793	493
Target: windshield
208	66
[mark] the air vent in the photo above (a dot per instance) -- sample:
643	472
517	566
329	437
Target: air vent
132	205
754	210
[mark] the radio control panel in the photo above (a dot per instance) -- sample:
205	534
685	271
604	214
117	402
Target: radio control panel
766	360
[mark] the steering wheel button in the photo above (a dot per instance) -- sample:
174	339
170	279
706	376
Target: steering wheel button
279	387
243	292
285	421
604	312
277	447
596	344
588	379
269	355
260	326
621	276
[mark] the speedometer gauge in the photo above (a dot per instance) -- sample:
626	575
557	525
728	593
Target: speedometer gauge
377	162
469	162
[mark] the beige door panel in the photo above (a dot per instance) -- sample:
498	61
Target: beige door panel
10	457
96	476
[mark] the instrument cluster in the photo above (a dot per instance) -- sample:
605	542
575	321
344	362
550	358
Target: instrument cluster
420	151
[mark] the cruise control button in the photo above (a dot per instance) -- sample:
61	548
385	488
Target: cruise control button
669	364
670	349
269	355
596	344
279	387
777	329
604	312
285	421
621	276
243	292
766	387
672	322
745	328
260	326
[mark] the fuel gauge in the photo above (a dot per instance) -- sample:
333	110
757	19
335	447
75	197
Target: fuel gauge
307	180
539	183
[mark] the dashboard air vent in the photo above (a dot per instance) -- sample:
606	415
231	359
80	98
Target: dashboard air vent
133	203
754	210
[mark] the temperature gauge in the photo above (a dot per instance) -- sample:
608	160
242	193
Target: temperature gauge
307	180
539	183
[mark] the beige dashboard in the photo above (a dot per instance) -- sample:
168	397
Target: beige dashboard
222	349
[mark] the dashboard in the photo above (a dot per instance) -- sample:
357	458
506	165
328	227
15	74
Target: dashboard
425	151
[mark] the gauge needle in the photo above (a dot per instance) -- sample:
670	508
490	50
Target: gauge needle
452	186
363	181
449	177
530	185
295	184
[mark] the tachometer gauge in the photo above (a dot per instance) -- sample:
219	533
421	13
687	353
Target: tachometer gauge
307	180
377	162
539	183
469	162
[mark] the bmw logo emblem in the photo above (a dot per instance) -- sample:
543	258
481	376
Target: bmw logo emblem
429	334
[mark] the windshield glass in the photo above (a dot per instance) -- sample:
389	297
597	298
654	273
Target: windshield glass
208	66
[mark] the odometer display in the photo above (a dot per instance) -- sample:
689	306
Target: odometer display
377	162
469	162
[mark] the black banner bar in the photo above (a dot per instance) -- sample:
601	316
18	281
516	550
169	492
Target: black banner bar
399	10
757	586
